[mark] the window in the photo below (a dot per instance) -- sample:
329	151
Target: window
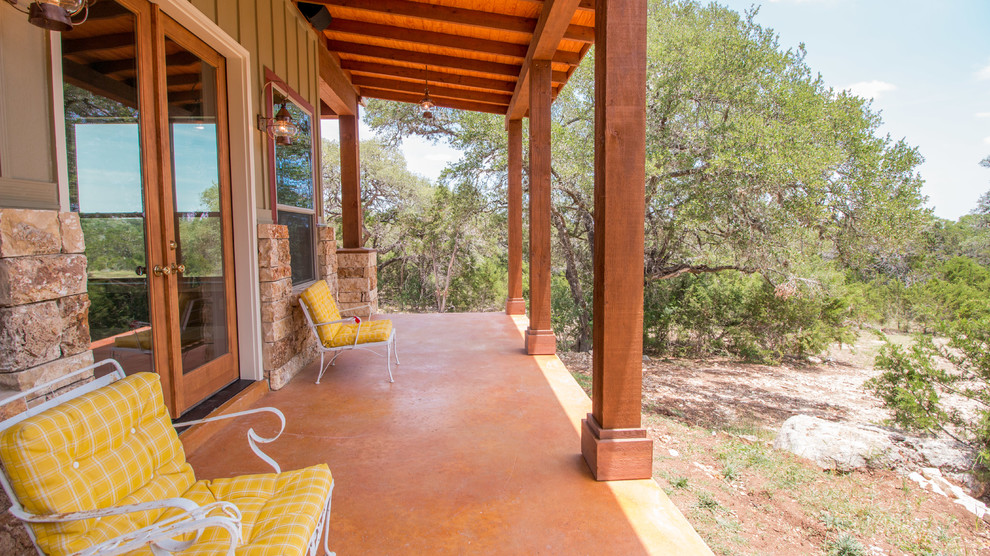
293	182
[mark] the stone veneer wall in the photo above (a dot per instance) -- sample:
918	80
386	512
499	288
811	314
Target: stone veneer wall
44	318
288	345
357	274
44	308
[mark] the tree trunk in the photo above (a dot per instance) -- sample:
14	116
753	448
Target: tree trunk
574	281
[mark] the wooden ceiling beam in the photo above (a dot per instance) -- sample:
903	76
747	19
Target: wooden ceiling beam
426	37
436	60
584	6
98	43
114	66
418	87
434	76
447	14
550	29
336	89
413	98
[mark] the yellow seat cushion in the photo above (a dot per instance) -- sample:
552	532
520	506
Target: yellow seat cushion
322	308
116	446
370	331
110	447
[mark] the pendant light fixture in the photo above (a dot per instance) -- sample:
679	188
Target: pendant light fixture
426	105
54	15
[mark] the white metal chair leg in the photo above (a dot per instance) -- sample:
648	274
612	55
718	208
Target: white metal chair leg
388	360
395	349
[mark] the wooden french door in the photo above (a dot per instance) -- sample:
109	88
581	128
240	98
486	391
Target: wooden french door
196	229
146	138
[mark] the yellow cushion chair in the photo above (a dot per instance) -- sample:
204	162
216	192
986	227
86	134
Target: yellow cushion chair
336	334
100	470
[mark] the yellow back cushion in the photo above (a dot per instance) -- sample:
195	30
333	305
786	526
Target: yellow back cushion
322	308
109	447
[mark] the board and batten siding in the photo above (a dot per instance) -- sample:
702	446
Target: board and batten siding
279	38
28	174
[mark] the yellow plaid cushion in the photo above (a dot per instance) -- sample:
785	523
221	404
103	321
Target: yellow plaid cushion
279	512
110	447
322	308
371	331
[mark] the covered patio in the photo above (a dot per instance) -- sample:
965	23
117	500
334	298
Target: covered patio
471	450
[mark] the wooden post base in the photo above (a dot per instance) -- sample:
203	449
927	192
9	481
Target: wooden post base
616	454
540	342
515	306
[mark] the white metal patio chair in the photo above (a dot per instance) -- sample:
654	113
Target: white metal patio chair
100	470
336	334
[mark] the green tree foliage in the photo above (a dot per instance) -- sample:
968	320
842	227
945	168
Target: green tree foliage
438	246
754	168
924	384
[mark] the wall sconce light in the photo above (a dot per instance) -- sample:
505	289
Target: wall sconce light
54	15
280	128
426	105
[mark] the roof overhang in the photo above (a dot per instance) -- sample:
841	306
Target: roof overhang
474	53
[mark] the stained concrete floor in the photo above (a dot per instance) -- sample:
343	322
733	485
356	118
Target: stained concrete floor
474	449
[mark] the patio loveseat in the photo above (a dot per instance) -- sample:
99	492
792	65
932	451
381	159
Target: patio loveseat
100	470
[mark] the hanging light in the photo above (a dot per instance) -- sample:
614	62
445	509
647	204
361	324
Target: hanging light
426	105
56	15
281	127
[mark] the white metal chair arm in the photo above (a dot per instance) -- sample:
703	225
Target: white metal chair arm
253	437
341	321
161	535
365	306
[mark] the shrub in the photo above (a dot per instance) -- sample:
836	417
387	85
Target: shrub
916	382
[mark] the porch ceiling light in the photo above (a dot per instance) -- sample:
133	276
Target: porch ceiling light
426	105
281	127
55	15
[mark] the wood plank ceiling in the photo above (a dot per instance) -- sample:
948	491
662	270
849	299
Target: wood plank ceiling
472	52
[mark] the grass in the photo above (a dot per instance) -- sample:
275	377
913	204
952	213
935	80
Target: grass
844	545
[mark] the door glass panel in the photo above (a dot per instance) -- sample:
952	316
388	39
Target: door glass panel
192	115
106	181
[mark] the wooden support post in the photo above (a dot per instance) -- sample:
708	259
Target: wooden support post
515	304
539	336
350	182
613	441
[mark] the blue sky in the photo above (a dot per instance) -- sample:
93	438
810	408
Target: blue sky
109	166
925	64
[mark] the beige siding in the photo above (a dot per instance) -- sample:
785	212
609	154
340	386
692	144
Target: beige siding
27	149
279	38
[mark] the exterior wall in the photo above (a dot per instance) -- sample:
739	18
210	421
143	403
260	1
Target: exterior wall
278	37
28	176
44	309
288	343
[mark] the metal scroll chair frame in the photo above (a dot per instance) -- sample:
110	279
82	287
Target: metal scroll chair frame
389	344
160	536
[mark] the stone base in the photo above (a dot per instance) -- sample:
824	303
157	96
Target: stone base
515	306
616	454
540	342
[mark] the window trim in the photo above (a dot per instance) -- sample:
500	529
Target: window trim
272	81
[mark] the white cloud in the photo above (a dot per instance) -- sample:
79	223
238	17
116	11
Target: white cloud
983	74
871	89
983	114
986	140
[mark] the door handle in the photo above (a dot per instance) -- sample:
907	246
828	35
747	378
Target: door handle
178	268
160	270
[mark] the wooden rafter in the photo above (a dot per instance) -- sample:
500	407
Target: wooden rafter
418	87
549	31
413	98
471	81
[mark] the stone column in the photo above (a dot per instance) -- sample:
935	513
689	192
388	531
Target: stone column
287	345
327	256
44	308
357	282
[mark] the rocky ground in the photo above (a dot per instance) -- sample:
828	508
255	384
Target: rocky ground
714	422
